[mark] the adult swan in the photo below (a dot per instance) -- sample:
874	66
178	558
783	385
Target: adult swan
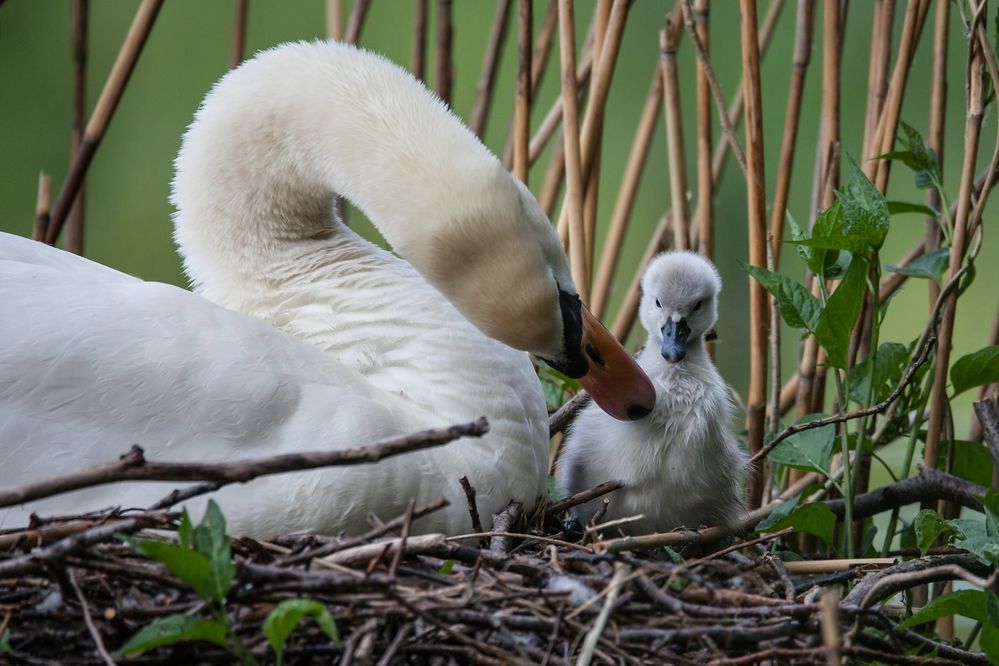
303	335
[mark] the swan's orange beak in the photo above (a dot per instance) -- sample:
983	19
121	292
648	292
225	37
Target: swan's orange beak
614	380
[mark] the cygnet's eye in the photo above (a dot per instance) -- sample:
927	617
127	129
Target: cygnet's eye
697	305
658	304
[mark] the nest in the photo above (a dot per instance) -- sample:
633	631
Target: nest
73	592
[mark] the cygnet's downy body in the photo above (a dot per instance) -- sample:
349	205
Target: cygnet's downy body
681	466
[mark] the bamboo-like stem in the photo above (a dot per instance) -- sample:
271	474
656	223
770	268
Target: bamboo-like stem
975	430
522	110
601	20
103	111
239	34
757	221
705	186
626	196
553	119
490	64
79	12
445	43
626	313
552	183
356	23
830	99
972	131
674	136
879	170
42	205
334	19
935	136
420	10
573	165
799	66
877	73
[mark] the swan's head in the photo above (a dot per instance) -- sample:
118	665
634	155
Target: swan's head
504	268
679	301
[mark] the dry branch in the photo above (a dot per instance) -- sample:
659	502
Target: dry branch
490	65
239	33
445	40
79	17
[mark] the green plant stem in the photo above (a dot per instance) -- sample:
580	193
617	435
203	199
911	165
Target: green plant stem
874	286
909	453
945	204
844	445
973	634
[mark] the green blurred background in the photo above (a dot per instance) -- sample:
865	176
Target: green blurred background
128	217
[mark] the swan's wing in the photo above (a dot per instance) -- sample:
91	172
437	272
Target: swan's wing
93	361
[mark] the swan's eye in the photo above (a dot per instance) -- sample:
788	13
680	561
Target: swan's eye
697	306
658	305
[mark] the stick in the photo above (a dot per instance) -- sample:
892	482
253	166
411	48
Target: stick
122	69
573	165
42	206
445	38
757	221
877	73
613	590
812	567
522	110
490	65
582	497
929	484
863	593
410	545
503	522
356	22
565	414
674	136
420	39
133	467
79	13
705	185
238	34
935	137
473	509
89	621
985	410
629	306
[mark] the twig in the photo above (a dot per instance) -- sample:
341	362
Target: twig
565	414
582	497
239	33
420	38
473	510
929	484
613	590
705	182
674	136
79	13
42	206
356	22
872	589
829	617
334	19
409	544
503	522
985	410
133	466
811	567
406	527
122	69
525	94
91	627
490	65
445	38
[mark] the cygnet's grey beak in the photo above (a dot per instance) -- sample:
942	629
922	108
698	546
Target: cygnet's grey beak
675	340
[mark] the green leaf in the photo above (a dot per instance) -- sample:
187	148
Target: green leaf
989	640
797	306
902	207
184	531
285	617
865	211
675	556
5	642
188	565
809	450
889	363
929	526
971	460
840	314
446	568
798	234
174	628
780	513
211	541
931	265
815	518
968	603
980	367
973	536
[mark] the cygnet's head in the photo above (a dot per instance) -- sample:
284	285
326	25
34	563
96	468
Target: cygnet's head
679	301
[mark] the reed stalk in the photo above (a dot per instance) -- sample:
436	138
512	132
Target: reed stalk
334	19
552	184
592	184
239	34
490	64
804	29
420	11
573	165
522	110
986	391
757	222
97	125
674	136
42	206
445	43
626	195
79	17
705	186
877	72
356	22
935	136
660	240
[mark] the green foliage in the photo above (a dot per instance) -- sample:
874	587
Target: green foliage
809	450
841	312
446	568
980	605
865	211
285	617
931	265
975	369
815	518
902	207
889	363
979	537
172	629
797	306
971	460
917	156
929	526
5	642
556	386
777	515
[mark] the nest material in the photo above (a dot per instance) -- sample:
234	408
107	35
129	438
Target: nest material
512	600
